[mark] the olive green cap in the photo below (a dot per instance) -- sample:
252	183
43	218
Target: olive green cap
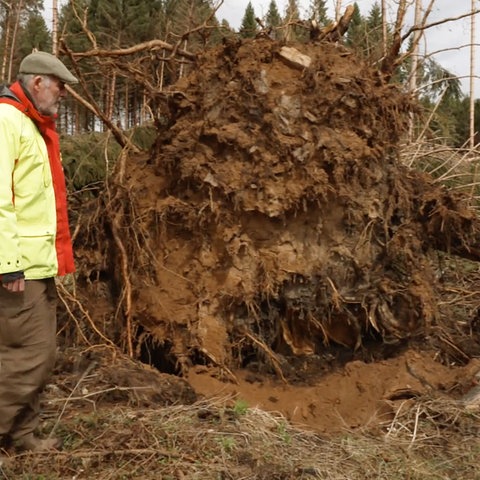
43	63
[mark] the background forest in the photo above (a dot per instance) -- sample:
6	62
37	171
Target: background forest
119	85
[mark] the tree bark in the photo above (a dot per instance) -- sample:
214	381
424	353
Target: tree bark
14	39
472	78
6	50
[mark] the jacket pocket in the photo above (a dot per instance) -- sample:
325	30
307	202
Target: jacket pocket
38	252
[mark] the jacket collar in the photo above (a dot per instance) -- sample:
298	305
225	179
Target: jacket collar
29	109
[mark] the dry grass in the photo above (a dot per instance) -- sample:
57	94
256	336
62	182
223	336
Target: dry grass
222	439
456	168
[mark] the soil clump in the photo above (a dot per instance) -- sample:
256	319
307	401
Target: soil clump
272	246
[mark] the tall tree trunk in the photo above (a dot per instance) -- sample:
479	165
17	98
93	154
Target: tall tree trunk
54	27
384	29
14	39
338	8
127	122
413	81
111	97
7	36
472	78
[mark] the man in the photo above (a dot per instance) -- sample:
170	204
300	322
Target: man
35	243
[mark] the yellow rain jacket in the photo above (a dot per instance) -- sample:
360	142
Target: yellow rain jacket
34	233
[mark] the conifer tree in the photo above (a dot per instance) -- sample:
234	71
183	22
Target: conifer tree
318	12
356	32
249	27
294	30
273	20
178	17
365	35
374	37
13	16
34	34
291	18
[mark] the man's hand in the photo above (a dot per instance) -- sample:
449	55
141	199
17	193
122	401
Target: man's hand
16	286
14	281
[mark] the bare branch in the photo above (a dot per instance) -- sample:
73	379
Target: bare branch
151	45
94	108
388	63
440	22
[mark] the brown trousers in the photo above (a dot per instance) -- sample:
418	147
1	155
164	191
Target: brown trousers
28	326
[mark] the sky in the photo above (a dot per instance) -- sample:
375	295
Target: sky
450	40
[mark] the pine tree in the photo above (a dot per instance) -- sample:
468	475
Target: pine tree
249	27
318	12
178	17
13	16
34	34
356	32
365	35
292	20
374	37
273	20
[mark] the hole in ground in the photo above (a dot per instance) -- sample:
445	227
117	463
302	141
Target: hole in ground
157	353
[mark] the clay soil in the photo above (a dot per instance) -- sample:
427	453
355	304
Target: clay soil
281	282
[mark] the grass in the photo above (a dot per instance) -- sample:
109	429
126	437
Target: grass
432	439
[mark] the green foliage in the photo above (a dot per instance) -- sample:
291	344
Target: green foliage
294	32
227	444
439	92
177	17
34	34
284	433
240	408
273	19
374	38
437	81
365	34
249	27
451	120
318	12
119	23
88	158
357	30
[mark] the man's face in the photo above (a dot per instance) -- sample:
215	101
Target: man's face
48	92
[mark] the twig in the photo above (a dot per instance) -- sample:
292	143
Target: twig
85	313
415	428
84	374
98	392
270	352
440	22
104	453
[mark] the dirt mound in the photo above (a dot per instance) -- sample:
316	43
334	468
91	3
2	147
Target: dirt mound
272	229
273	216
103	375
361	396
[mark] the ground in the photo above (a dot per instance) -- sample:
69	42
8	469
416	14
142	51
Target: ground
121	419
